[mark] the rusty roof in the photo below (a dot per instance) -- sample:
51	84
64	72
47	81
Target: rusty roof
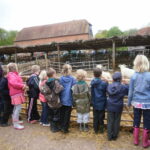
144	31
74	27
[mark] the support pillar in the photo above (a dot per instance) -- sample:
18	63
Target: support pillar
113	55
46	61
58	49
15	57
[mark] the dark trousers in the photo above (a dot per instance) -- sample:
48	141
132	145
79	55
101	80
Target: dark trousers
137	118
113	124
44	114
98	119
54	115
65	114
5	110
32	110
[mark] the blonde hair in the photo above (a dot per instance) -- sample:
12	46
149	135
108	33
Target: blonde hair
67	69
12	67
141	63
35	68
81	74
43	75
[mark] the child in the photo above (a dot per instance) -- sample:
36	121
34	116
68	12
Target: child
116	92
33	83
16	91
66	97
82	100
98	94
44	115
6	107
51	91
139	98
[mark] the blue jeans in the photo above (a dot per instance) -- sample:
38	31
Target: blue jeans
137	118
44	115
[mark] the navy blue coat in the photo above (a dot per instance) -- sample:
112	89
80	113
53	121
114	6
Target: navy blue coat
98	93
33	83
4	91
116	92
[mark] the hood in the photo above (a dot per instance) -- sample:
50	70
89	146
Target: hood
96	81
50	82
66	79
114	88
117	76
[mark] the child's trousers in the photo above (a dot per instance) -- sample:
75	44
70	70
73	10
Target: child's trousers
16	112
137	118
32	110
98	119
83	118
65	113
113	124
44	114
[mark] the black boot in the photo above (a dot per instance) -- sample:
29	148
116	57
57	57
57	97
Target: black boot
54	127
101	129
86	127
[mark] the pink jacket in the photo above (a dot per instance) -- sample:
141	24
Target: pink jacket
15	83
41	96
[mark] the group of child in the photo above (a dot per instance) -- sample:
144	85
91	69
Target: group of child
58	95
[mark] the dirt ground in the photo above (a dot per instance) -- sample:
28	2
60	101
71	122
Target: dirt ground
37	137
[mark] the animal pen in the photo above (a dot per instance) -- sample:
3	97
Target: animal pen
96	44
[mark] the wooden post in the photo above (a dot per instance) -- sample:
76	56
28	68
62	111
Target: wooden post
113	55
46	62
58	49
15	57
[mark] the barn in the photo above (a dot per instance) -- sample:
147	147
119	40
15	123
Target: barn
59	32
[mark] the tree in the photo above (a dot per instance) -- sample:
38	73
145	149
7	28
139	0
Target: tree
130	32
114	31
7	37
101	34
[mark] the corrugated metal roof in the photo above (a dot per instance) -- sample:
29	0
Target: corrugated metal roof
80	45
54	30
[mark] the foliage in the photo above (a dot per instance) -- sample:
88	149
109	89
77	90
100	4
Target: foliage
130	32
114	31
7	37
101	34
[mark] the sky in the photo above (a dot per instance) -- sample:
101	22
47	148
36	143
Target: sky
102	14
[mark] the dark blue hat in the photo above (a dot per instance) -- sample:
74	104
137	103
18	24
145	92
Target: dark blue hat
117	76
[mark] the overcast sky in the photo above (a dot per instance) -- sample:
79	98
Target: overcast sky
102	14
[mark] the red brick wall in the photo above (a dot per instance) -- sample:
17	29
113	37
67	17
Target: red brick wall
56	39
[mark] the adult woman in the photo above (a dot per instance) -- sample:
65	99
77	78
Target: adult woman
139	98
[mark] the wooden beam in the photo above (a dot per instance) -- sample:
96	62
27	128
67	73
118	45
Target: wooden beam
113	55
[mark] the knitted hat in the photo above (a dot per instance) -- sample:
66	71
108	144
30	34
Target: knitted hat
117	76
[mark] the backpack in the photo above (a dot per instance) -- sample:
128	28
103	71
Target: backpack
51	91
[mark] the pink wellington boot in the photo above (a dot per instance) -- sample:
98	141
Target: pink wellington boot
145	141
136	136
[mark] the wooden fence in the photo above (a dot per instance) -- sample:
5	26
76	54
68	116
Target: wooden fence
126	119
87	65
